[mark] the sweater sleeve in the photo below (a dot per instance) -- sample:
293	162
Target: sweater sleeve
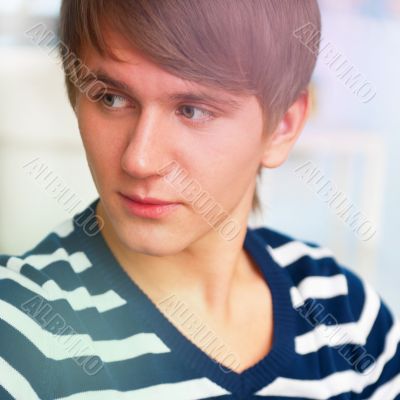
25	350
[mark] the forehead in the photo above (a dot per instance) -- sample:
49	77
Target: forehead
129	65
119	53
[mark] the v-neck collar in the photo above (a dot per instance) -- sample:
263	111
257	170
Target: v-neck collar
247	382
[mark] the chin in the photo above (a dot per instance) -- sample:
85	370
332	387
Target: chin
152	241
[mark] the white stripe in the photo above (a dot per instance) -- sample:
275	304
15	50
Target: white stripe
292	251
15	383
388	390
130	347
78	261
296	297
79	298
65	228
337	334
338	382
59	347
194	389
321	287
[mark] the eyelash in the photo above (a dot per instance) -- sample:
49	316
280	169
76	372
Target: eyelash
210	114
113	95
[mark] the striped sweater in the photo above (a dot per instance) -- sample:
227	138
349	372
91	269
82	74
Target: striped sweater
74	326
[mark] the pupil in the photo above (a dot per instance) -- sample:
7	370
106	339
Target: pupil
109	99
185	108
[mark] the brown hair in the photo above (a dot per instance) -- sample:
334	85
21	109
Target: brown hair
242	46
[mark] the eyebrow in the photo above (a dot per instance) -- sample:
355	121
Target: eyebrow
197	95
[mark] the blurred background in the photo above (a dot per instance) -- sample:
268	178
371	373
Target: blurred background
347	158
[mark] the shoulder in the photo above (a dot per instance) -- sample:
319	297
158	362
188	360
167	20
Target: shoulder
31	271
315	273
38	298
25	276
25	288
299	257
48	273
341	310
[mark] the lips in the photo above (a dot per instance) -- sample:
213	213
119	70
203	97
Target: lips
148	200
148	207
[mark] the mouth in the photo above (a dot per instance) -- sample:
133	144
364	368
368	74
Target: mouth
148	207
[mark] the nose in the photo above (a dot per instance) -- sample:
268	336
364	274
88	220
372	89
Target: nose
146	148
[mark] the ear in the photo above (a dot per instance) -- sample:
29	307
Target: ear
279	143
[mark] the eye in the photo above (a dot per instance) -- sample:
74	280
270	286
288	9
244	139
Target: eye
114	101
194	114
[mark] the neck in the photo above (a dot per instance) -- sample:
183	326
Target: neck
206	274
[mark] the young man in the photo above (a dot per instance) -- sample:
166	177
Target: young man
159	289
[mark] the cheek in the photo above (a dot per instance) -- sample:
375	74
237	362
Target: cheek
98	148
103	142
235	151
225	163
231	162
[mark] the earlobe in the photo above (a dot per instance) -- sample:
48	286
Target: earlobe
279	143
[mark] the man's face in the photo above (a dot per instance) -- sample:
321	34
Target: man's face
134	132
